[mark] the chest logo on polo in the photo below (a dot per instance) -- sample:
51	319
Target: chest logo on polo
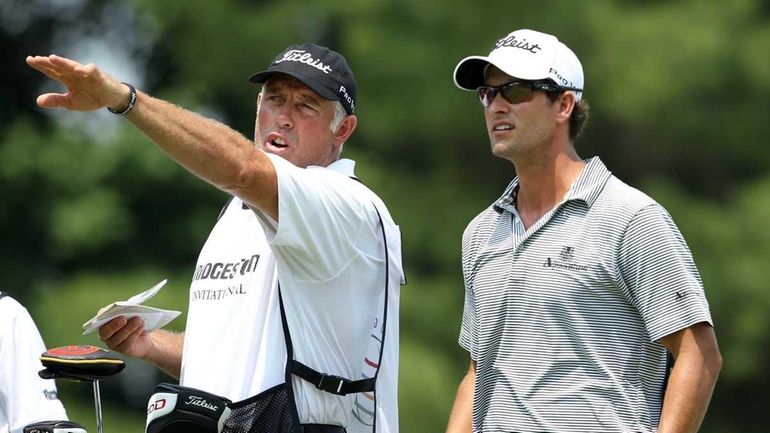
233	274
226	271
564	260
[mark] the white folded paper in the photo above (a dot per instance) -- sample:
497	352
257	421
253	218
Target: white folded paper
154	318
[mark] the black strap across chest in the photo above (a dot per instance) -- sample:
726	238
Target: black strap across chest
327	382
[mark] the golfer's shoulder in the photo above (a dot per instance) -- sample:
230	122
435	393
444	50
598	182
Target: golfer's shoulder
623	197
480	227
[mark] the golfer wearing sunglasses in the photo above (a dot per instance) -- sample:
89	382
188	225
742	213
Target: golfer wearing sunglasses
580	291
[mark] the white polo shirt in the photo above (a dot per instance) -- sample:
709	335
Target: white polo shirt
327	250
25	398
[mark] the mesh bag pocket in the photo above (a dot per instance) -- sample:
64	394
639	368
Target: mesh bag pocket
267	412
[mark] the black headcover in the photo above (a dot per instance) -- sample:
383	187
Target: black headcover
84	363
54	427
179	409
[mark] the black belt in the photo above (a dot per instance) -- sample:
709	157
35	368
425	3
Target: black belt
322	428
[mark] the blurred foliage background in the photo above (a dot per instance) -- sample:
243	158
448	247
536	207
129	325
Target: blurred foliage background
91	212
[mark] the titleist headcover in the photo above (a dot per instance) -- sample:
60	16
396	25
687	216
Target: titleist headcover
178	409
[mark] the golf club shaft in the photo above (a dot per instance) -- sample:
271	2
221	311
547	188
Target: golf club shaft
98	404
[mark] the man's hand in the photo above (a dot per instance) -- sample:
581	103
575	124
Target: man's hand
159	347
88	88
127	337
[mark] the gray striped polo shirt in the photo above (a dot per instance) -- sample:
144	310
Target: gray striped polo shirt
563	319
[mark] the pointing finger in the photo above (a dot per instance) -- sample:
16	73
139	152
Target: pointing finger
43	65
63	62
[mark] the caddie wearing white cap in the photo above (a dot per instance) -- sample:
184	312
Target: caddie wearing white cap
584	311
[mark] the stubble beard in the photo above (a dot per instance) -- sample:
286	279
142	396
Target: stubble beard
521	152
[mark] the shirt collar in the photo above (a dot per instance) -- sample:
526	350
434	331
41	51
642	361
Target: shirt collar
343	166
587	187
590	183
507	200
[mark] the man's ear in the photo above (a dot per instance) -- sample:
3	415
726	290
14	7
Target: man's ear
346	128
566	103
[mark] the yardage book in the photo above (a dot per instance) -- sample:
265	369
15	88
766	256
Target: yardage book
154	318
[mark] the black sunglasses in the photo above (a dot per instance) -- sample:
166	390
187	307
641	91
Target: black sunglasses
517	91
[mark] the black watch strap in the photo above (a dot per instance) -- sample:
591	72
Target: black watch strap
131	102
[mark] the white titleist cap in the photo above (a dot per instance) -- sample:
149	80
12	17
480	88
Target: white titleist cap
527	55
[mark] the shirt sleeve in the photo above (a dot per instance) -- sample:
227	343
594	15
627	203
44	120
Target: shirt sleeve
660	275
321	215
468	330
25	398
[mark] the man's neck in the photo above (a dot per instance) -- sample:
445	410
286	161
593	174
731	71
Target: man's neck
544	184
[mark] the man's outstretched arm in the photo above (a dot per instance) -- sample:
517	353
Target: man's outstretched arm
207	148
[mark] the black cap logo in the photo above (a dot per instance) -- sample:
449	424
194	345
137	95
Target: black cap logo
324	71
